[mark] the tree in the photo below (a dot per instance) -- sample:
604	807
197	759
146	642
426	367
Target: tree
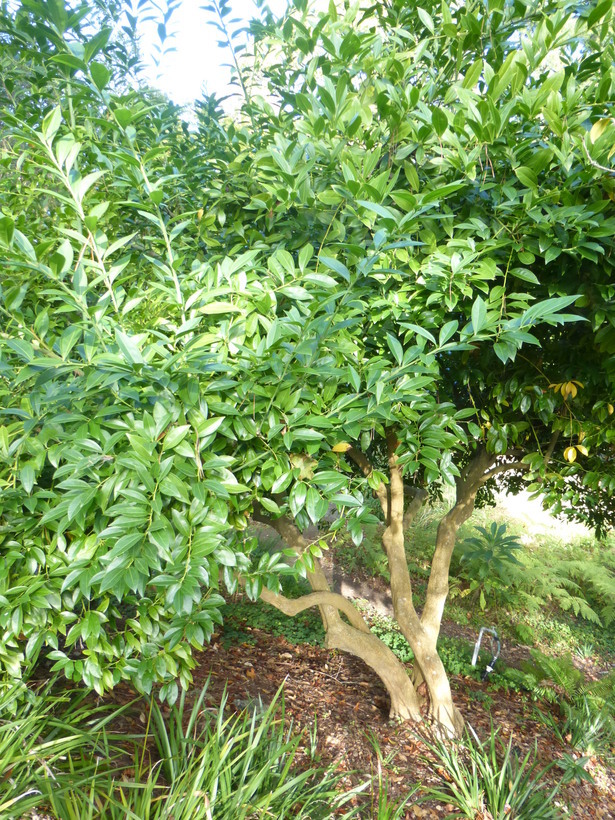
357	285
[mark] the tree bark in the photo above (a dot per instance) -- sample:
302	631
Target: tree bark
354	637
468	485
441	706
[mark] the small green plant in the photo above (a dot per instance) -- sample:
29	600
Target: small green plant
553	679
41	733
388	632
487	562
573	768
586	709
212	764
383	806
479	777
304	628
585	651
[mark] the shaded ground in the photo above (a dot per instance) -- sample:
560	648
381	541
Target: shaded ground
344	703
341	707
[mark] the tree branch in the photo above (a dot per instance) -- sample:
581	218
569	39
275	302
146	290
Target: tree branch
551	447
292	606
284	527
597	164
503	468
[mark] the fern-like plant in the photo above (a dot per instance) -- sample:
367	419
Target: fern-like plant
587	709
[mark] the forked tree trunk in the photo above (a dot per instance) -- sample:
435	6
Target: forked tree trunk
422	632
354	637
432	672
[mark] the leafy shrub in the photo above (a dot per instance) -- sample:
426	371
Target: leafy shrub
586	709
479	777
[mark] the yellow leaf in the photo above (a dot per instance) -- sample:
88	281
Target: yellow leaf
555	387
598	128
304	464
199	214
342	447
570	454
610	408
569	389
582	449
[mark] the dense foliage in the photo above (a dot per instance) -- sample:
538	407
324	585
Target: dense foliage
360	279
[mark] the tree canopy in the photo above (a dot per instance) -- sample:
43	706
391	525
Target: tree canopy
389	271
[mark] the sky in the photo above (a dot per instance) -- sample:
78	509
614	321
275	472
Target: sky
196	64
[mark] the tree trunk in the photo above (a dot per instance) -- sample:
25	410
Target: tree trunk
442	708
421	633
354	637
468	485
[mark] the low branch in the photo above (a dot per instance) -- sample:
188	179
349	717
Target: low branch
293	606
284	527
503	468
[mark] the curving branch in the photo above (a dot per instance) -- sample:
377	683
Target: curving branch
551	447
284	527
597	164
503	468
292	606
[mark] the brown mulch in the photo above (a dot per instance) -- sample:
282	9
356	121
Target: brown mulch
348	705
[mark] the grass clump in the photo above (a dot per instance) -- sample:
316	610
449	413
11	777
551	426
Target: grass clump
491	776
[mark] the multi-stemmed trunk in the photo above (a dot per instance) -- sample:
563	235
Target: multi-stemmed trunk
422	631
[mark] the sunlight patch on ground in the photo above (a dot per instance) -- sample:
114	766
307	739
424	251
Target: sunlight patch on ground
530	513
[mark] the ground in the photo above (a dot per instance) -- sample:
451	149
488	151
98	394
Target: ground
340	703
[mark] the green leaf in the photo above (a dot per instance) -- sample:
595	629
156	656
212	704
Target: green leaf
282	482
27	477
447	331
380	210
337	266
100	75
426	19
313	504
442	192
439	120
473	73
479	314
297	497
270	505
128	347
51	124
175	437
215	308
526	176
7	228
396	348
